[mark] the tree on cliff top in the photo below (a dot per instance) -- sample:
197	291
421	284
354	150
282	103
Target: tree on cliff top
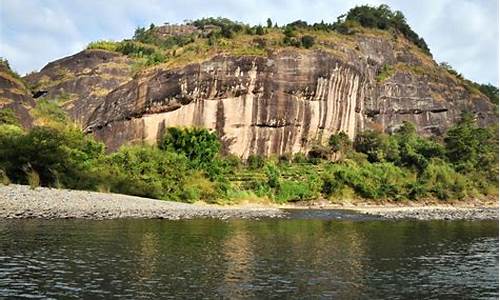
382	17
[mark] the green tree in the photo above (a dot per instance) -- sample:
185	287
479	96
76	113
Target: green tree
490	91
307	41
199	145
414	150
384	18
259	30
379	147
8	116
339	142
472	148
269	23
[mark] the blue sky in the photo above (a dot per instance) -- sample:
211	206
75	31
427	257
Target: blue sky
463	33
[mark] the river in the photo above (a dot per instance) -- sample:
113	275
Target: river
304	257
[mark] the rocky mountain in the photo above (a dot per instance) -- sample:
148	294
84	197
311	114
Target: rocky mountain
263	93
15	95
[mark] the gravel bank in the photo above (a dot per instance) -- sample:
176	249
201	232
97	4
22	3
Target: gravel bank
433	213
19	201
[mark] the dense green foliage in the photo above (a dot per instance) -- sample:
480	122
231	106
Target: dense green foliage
154	44
489	91
8	116
187	164
382	17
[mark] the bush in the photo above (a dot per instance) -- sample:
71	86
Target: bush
4	179
8	117
318	152
200	146
379	147
293	191
440	180
104	45
48	113
299	158
259	30
255	162
489	91
147	171
415	151
307	41
382	17
339	142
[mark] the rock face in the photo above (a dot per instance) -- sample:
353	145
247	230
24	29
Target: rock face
284	102
264	105
80	82
14	95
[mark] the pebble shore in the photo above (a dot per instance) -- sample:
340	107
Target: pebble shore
20	201
433	213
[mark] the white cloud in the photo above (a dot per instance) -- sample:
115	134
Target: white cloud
34	32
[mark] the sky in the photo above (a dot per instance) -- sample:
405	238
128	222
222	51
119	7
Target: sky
463	33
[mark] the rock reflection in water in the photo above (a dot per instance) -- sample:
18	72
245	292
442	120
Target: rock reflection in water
293	259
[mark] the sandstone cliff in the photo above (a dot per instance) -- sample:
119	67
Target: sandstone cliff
80	82
280	100
15	95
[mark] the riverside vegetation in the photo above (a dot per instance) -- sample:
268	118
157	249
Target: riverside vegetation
187	165
149	47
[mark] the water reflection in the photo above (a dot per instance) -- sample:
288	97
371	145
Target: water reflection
143	259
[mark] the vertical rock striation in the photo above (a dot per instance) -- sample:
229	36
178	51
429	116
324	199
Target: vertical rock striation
265	105
282	102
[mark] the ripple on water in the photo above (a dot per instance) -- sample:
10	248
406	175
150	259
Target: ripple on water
308	257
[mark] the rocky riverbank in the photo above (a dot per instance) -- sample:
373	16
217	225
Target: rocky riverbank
433	213
19	201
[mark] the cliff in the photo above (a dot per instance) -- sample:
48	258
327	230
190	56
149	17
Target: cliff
262	97
15	95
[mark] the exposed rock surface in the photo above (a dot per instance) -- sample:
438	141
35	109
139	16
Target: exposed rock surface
279	103
15	95
80	82
18	201
434	213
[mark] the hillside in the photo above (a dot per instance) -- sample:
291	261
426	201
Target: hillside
265	90
357	109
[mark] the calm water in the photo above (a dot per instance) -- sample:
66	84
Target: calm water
305	257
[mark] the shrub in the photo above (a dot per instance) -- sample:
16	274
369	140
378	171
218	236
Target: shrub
379	147
48	113
8	117
339	142
299	158
33	178
198	187
385	72
307	41
415	151
318	152
259	30
368	180
255	162
147	171
489	91
293	191
104	45
440	180
382	17
273	175
198	144
4	179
